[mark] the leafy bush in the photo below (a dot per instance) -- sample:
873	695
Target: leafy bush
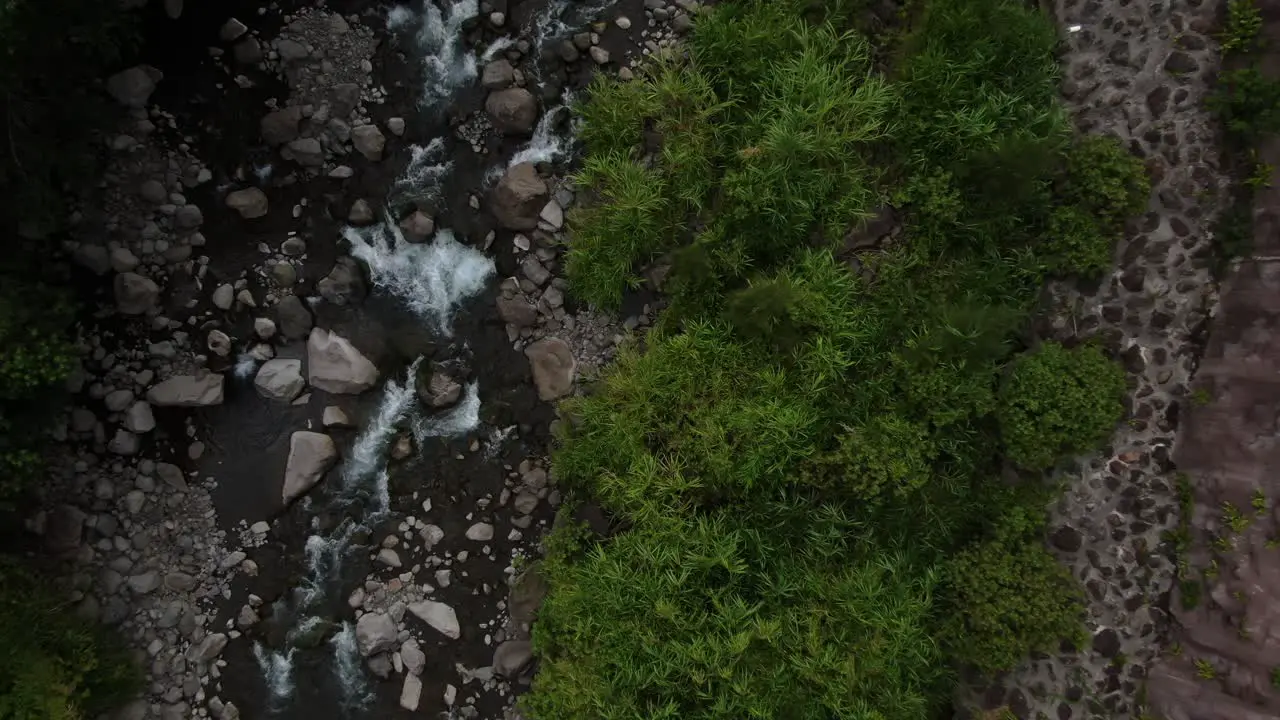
1104	180
776	613
35	350
1011	597
1244	27
54	666
1248	104
1058	402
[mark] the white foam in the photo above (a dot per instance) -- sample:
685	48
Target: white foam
546	145
277	671
347	666
424	176
458	420
446	63
432	278
246	366
496	47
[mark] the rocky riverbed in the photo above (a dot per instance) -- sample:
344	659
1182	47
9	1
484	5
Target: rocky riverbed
304	466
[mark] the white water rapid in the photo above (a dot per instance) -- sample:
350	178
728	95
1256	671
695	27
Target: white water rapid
447	64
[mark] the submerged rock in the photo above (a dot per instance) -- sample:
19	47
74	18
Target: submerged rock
344	285
135	294
251	202
334	365
293	317
311	454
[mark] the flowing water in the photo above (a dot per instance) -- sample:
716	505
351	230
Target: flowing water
431	280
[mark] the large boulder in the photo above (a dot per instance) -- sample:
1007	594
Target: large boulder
439	616
311	454
280	379
135	294
187	391
498	75
519	197
375	633
336	366
369	141
281	126
512	658
307	152
513	111
250	202
553	367
132	88
344	285
293	318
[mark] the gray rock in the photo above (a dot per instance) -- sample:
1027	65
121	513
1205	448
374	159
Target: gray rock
208	649
139	418
335	366
334	416
232	30
480	532
418	227
280	380
519	197
264	328
281	126
284	275
498	75
219	343
369	141
518	311
411	692
534	270
124	443
63	529
396	126
250	202
188	391
438	616
389	557
247	51
311	454
344	285
293	318
375	633
171	475
554	367
361	213
552	214
83	420
525	502
118	400
291	51
412	656
599	55
144	583
512	658
440	391
224	296
122	260
188	217
513	111
132	88
307	152
135	294
93	258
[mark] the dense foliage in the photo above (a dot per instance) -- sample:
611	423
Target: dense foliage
804	454
54	665
1058	402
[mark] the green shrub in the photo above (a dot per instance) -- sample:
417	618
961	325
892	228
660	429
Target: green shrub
1074	244
1105	180
766	614
889	454
632	223
1244	27
1011	597
1247	103
35	350
53	665
1057	402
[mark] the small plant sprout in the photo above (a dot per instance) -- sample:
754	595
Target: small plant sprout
1234	519
1259	501
1205	669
